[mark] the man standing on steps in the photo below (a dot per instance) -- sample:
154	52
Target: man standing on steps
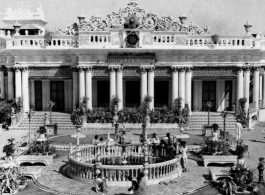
239	129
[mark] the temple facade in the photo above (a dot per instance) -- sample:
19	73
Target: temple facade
128	54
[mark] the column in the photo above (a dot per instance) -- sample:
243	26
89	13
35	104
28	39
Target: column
46	97
120	87
10	75
2	83
239	85
256	87
32	94
220	95
246	87
182	85
18	82
89	87
75	87
151	80
263	90
260	87
188	87
112	84
25	88
143	84
82	90
175	84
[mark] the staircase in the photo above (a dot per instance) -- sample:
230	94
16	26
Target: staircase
62	119
199	119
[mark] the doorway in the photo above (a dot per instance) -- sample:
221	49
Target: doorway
209	94
38	95
161	93
132	94
57	95
103	94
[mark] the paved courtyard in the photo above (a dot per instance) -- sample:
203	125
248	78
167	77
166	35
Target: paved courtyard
196	177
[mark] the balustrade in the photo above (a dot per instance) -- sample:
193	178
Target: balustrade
86	168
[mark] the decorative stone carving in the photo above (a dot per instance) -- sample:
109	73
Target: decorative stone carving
170	58
29	58
195	59
134	58
50	72
180	40
116	39
147	20
55	58
234	59
68	58
23	13
94	59
162	73
131	72
43	59
100	72
148	39
213	72
208	58
221	59
83	40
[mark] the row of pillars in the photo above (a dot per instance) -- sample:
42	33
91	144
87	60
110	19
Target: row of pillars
181	84
21	85
243	85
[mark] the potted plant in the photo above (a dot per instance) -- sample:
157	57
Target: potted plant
215	38
42	131
242	103
115	100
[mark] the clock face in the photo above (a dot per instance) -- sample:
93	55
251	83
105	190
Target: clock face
132	40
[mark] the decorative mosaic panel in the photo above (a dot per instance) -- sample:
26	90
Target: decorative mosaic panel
50	72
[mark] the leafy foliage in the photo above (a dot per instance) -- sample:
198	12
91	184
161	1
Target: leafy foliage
6	111
37	147
11	179
211	147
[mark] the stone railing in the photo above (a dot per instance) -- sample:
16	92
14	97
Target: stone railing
84	163
162	39
115	39
2	43
38	41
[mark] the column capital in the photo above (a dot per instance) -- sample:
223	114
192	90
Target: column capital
24	69
150	68
189	69
119	69
115	67
247	68
10	69
88	68
239	69
80	69
174	68
17	69
256	68
182	69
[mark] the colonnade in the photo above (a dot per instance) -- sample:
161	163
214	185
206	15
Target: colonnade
21	84
243	86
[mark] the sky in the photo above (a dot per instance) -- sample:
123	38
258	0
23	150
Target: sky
224	17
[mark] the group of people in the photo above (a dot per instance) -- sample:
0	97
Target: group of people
97	140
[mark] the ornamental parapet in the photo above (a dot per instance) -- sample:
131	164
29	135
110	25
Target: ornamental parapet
113	40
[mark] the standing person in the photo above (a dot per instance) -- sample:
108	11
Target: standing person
95	141
239	128
122	138
183	151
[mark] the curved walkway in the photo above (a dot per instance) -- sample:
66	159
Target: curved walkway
189	181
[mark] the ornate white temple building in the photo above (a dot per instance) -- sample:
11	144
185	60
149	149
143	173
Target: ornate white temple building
130	53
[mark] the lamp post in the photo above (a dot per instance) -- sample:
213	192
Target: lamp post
209	104
51	104
30	113
224	115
